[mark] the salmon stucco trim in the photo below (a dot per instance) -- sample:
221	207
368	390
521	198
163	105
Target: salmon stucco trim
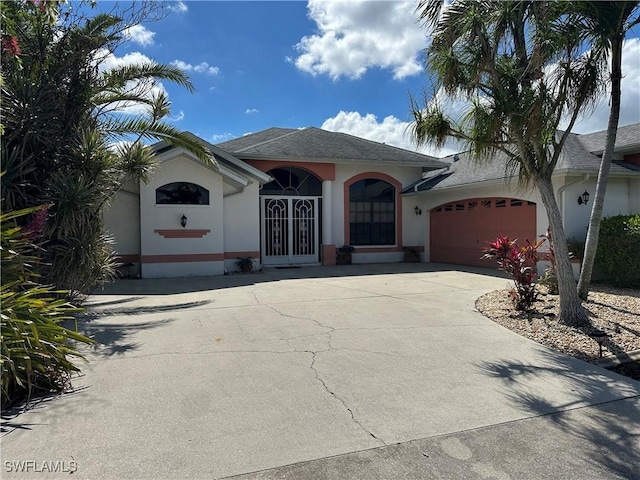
182	233
133	258
183	257
235	255
324	171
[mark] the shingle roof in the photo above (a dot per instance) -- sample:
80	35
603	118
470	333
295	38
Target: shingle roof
627	137
320	145
250	139
576	156
577	151
466	170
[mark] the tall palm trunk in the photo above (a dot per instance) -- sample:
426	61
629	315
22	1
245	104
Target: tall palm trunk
571	310
603	174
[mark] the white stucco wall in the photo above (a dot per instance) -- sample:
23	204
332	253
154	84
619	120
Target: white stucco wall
242	226
620	199
122	220
167	217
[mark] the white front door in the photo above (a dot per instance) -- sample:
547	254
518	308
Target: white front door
289	230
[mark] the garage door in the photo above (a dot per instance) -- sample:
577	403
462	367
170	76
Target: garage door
460	230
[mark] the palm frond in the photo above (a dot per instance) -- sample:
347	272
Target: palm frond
119	76
150	129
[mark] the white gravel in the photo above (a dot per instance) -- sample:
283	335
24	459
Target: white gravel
614	310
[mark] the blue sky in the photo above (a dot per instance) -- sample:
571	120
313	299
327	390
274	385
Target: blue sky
344	66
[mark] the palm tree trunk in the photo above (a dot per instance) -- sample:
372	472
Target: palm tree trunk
591	245
571	310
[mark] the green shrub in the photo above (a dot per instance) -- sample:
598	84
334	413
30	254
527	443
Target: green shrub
618	255
36	348
576	248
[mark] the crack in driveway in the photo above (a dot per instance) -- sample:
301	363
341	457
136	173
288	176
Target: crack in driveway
317	373
340	399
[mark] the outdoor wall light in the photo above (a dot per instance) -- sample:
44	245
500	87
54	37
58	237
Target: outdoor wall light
183	220
417	210
584	198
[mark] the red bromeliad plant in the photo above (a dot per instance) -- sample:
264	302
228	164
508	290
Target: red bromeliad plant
520	264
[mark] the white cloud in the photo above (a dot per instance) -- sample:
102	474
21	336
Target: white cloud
630	104
355	35
178	117
221	137
251	110
179	6
147	88
391	131
140	35
202	67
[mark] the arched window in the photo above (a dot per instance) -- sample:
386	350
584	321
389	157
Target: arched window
292	181
372	212
182	193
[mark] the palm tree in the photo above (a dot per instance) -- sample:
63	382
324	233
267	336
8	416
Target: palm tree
519	65
70	140
605	25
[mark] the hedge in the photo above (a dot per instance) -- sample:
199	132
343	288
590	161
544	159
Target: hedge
618	255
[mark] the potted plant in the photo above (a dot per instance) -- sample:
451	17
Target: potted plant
245	264
411	254
343	255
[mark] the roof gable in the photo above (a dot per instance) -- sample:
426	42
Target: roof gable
224	162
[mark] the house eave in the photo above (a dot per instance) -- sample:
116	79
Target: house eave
340	161
593	171
466	186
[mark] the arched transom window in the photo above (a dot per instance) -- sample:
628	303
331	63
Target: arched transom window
182	193
292	181
372	212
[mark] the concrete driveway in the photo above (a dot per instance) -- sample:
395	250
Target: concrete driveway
371	371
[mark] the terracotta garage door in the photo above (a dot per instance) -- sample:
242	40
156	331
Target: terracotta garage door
460	230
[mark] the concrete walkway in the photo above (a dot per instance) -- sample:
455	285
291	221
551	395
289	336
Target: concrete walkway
372	371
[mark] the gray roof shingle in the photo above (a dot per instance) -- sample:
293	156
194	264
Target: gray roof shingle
576	156
626	138
320	145
238	144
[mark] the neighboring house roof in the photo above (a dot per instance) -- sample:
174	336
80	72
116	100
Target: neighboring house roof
576	158
627	140
577	153
222	158
315	144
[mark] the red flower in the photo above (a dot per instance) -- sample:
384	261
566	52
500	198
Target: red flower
10	45
34	230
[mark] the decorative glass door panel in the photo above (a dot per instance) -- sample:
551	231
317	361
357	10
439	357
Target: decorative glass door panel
289	230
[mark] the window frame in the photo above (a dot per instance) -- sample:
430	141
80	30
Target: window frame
375	239
206	197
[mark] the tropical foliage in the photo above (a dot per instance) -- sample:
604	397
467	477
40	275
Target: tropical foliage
522	69
36	347
618	257
73	130
605	27
520	263
73	126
